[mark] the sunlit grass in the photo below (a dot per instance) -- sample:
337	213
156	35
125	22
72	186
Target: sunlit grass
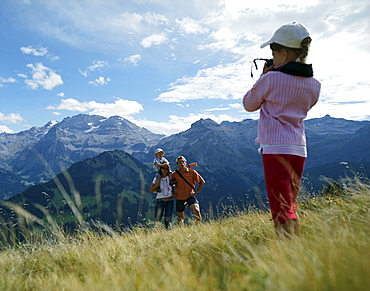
241	252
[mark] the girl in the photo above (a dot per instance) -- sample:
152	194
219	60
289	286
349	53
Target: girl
284	93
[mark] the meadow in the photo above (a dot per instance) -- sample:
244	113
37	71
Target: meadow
239	252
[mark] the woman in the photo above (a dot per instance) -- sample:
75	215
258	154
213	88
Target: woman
284	93
164	203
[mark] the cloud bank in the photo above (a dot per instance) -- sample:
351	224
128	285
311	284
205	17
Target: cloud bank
120	107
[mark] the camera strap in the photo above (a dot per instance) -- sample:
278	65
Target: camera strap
255	64
178	172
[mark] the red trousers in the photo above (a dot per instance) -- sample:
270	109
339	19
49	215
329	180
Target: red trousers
283	174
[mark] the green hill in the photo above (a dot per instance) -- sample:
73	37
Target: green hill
112	188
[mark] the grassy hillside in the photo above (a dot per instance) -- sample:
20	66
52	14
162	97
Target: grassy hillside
235	253
111	187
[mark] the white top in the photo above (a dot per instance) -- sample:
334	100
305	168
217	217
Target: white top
159	161
165	187
288	149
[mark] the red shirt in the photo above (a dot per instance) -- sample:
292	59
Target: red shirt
183	190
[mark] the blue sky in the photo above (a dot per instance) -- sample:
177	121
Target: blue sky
164	64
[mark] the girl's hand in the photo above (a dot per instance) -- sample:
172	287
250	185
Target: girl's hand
267	69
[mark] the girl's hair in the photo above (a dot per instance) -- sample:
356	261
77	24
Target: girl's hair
299	53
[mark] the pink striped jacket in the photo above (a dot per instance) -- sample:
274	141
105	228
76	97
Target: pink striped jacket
284	101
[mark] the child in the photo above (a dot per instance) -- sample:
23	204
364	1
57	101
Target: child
159	161
284	93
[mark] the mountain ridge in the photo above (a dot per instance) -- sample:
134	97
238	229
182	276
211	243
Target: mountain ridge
226	153
111	187
74	138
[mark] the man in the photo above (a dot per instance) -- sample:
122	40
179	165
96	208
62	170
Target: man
186	180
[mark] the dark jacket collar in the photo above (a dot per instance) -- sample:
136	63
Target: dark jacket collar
296	69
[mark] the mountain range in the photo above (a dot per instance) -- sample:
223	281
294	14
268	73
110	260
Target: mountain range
226	154
36	155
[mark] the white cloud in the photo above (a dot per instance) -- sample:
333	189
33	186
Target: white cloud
43	76
134	22
120	107
350	110
97	24
155	19
133	59
176	123
236	105
154	39
22	76
39	52
227	81
171	56
61	94
97	65
225	39
191	26
236	9
100	81
11	118
7	80
182	105
343	76
217	109
229	107
72	105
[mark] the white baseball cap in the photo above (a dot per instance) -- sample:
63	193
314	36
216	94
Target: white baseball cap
157	151
289	35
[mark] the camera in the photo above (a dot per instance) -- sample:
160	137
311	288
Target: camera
269	63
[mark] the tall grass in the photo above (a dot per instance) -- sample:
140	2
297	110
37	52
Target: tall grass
237	253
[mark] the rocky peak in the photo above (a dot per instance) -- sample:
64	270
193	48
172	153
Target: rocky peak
81	122
204	123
